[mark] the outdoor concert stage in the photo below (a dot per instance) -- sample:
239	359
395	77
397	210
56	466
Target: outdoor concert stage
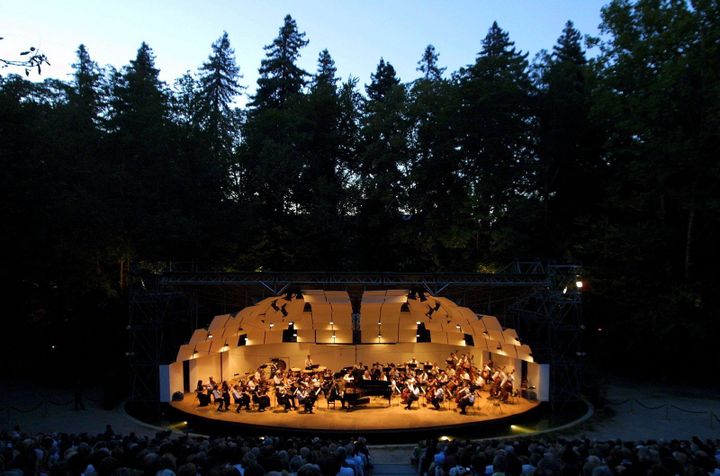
402	334
374	418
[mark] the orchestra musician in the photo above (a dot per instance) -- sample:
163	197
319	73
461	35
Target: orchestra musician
226	395
203	394
436	396
465	398
242	398
260	397
413	393
282	397
306	398
308	363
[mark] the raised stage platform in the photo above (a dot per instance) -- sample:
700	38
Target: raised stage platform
373	418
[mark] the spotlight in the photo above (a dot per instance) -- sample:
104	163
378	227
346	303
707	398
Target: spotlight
579	284
209	336
272	325
418	323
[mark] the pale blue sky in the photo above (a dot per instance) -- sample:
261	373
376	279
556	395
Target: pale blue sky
357	33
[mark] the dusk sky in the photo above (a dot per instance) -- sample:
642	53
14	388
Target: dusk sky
356	33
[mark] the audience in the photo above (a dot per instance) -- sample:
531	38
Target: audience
535	456
168	454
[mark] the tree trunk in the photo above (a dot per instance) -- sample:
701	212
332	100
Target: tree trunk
689	239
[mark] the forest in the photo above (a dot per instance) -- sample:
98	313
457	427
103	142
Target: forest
598	151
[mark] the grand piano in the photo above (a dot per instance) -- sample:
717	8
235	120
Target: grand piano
359	392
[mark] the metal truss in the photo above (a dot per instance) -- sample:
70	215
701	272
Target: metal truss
276	283
551	320
153	316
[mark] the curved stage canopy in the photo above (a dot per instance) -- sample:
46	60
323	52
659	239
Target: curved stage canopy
393	326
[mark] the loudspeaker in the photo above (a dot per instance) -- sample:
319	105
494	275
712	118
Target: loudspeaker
177	396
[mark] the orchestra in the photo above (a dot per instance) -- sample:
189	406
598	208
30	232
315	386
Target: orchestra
459	381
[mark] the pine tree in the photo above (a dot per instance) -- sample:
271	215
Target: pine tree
280	76
495	123
383	161
270	156
570	172
85	93
437	188
428	64
218	87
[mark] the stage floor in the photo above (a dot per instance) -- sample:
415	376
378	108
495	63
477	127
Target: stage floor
375	416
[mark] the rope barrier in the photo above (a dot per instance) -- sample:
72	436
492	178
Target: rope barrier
60	404
695	412
648	407
621	402
19	410
667	407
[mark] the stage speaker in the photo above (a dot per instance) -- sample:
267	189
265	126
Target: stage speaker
177	396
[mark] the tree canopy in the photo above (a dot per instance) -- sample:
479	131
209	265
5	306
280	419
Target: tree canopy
600	152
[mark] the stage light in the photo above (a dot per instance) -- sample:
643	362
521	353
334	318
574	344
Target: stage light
225	348
457	326
418	323
379	323
332	323
272	325
579	284
417	335
565	290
